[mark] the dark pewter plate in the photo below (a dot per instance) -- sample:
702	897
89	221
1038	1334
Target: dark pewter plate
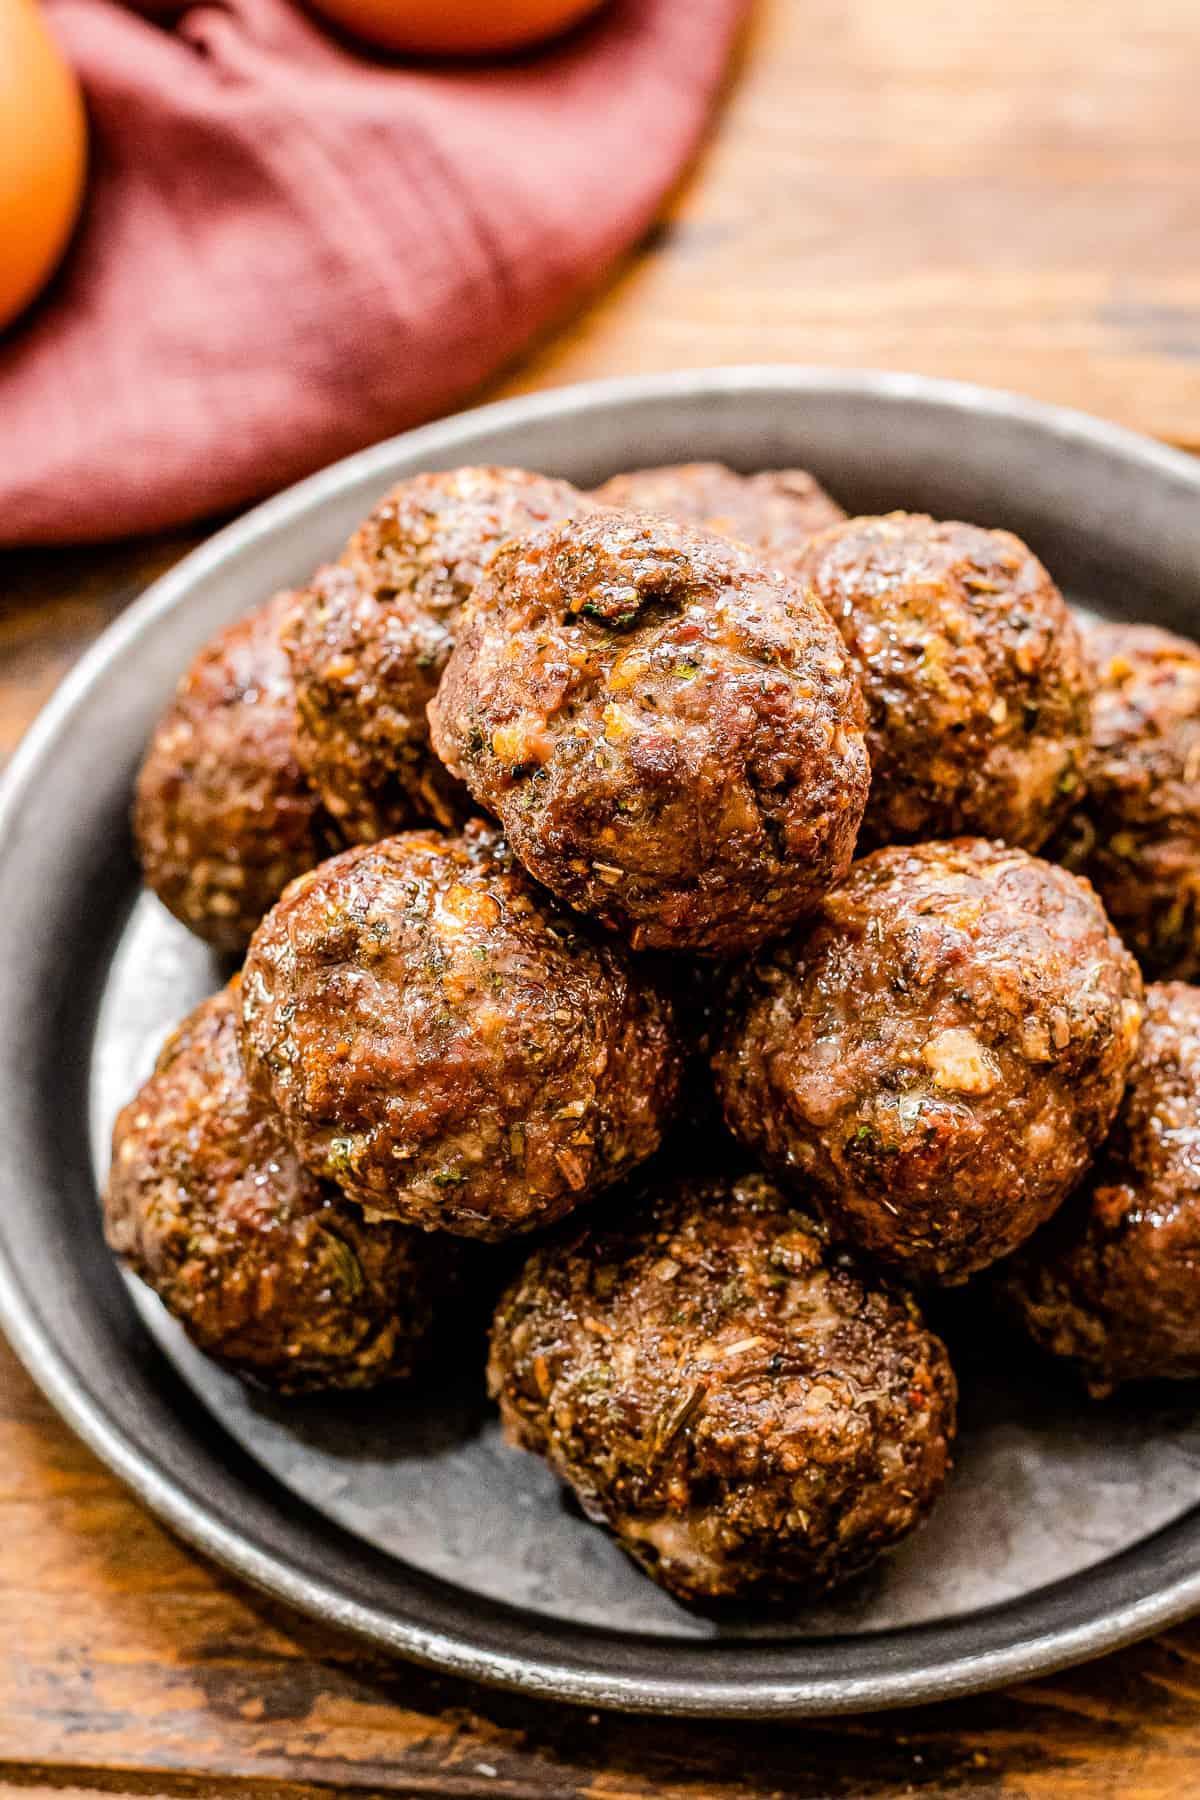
1066	1531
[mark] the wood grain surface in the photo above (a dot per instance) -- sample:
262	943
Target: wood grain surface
1001	190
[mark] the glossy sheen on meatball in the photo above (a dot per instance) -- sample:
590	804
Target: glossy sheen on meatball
774	512
1137	833
271	1272
446	1044
1113	1282
942	1055
223	815
973	671
372	634
746	1411
671	735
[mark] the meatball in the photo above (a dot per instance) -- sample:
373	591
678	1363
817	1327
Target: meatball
271	1272
942	1055
974	674
774	513
446	1045
1113	1282
223	816
671	735
745	1410
1137	833
372	634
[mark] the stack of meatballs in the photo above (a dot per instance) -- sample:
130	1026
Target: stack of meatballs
556	828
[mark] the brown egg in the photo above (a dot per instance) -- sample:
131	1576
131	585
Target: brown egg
43	151
455	27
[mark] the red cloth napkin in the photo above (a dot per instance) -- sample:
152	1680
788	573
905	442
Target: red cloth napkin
291	249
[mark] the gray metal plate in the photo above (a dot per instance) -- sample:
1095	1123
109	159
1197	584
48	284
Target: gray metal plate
1066	1529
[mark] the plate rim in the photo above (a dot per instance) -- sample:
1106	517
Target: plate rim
725	1692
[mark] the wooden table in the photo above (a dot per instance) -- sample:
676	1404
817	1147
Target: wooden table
1005	190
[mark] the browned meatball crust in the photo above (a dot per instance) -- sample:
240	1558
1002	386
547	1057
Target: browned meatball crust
973	671
671	735
744	1409
446	1044
271	1272
942	1055
774	512
373	631
1137	833
223	816
1113	1282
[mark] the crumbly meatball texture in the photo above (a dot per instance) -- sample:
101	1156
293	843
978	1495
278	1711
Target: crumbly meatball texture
973	671
1137	833
740	1406
372	633
942	1055
1113	1281
774	512
223	815
671	735
272	1273
446	1044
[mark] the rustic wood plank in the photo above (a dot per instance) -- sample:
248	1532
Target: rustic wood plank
53	603
995	191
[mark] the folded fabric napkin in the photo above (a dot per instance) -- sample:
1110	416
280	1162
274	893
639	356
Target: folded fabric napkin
290	249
